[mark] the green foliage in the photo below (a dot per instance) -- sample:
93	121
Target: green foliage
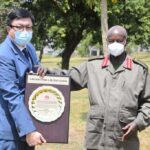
95	5
5	7
134	15
63	22
67	22
58	33
89	40
83	47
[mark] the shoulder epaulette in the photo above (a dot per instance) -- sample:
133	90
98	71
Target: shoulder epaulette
140	63
95	58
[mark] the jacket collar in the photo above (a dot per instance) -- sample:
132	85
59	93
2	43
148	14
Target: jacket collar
17	51
128	63
12	45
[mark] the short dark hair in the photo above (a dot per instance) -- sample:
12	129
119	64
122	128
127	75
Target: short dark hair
19	13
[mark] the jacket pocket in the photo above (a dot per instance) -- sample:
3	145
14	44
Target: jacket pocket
127	115
95	120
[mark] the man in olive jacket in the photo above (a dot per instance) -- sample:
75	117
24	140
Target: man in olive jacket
119	95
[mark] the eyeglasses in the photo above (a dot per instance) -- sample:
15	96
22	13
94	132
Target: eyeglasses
21	28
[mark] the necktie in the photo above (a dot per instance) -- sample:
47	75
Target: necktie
26	54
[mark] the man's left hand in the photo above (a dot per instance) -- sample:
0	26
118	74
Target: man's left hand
129	129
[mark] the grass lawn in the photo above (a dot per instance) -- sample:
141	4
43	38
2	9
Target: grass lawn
79	108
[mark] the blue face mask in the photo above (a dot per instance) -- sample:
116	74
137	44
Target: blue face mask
22	38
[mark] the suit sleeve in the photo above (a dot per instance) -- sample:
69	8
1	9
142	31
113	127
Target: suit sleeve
143	117
13	95
78	76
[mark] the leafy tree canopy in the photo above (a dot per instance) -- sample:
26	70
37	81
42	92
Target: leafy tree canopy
67	22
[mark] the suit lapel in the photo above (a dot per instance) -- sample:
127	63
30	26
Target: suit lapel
19	55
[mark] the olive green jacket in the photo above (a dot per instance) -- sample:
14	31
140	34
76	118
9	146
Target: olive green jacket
117	97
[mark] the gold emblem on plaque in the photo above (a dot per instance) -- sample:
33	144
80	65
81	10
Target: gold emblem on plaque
46	103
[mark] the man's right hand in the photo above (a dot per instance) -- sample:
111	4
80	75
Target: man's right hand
35	138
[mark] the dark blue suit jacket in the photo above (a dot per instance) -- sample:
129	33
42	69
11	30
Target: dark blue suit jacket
15	121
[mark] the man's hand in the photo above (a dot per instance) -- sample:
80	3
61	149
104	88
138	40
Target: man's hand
129	129
35	138
40	70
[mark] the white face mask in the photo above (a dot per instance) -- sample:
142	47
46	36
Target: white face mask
115	49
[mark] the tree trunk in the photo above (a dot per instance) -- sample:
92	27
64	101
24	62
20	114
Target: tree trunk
41	51
104	24
66	58
41	54
73	40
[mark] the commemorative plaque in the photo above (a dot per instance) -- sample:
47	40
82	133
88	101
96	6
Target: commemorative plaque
48	102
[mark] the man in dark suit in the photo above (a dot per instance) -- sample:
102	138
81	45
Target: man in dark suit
17	131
